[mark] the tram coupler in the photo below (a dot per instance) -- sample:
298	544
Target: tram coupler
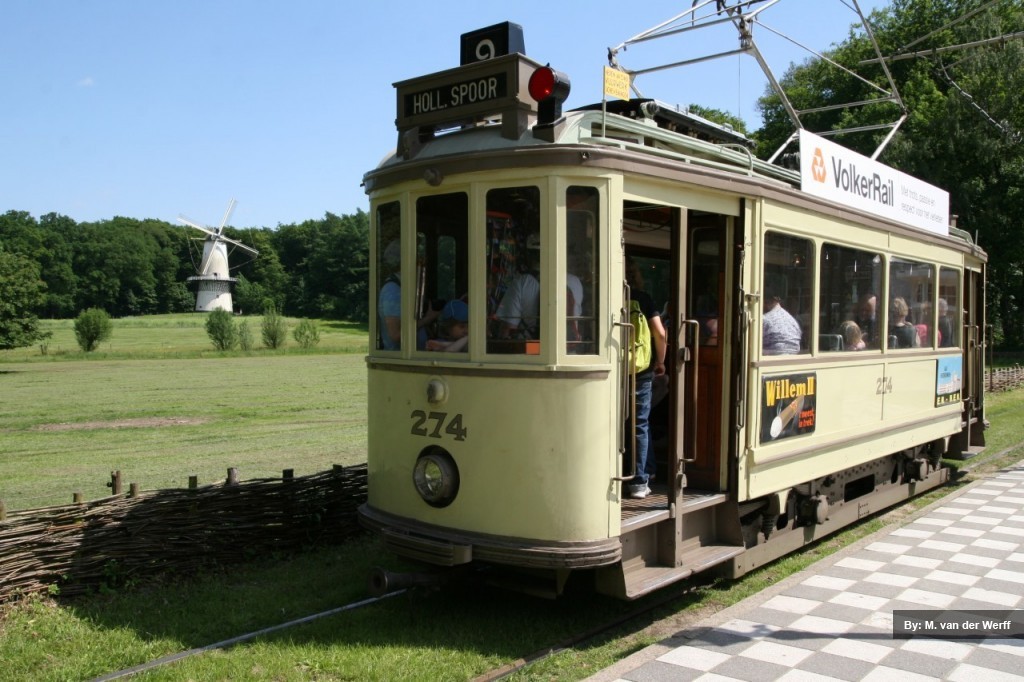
384	582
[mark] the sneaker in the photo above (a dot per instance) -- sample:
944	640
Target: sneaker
639	491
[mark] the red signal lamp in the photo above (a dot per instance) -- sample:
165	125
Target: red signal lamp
549	88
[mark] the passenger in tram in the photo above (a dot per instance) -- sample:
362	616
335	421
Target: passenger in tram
864	316
389	304
853	338
454	328
923	316
904	331
780	332
519	310
639	486
945	325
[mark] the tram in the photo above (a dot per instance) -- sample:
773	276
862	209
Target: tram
496	433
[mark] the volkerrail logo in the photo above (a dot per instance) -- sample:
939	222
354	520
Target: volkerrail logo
818	165
838	174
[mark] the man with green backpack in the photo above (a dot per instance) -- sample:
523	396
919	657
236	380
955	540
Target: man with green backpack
649	333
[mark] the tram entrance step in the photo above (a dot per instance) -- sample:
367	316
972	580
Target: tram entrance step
968	452
641	579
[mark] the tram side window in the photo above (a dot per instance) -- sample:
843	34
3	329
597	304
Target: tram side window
911	292
849	318
581	258
948	319
787	294
513	265
389	276
440	303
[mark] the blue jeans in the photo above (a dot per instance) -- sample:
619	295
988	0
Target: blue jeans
645	464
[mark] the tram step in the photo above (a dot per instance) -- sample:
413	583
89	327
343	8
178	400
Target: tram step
968	452
642	579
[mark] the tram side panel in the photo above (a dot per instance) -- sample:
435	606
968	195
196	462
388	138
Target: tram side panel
534	460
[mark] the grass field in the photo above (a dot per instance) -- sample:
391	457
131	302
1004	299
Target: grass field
66	419
159	404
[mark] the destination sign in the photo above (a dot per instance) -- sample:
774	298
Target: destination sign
487	88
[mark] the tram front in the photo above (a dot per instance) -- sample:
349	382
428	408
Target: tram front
495	359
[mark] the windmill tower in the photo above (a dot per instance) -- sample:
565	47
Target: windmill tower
212	278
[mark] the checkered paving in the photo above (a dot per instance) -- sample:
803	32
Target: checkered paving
834	620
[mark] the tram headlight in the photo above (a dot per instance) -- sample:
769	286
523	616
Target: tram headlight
436	477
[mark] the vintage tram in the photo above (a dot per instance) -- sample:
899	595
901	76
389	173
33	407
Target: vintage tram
496	410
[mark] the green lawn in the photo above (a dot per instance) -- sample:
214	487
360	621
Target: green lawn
66	421
159	404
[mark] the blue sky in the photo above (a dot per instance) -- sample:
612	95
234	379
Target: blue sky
155	109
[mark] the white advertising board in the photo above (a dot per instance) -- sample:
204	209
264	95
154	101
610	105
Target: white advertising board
832	172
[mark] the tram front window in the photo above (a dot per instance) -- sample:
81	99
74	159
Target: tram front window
581	257
442	273
513	265
389	276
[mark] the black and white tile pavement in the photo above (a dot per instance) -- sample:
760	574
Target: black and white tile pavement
834	620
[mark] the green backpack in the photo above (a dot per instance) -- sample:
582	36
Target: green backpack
641	337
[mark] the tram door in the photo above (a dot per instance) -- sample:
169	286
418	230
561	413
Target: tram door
703	402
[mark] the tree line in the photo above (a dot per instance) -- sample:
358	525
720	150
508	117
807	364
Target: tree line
54	268
963	132
960	73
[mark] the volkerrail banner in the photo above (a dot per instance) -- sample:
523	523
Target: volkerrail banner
833	172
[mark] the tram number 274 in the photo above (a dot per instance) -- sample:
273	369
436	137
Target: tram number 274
438	420
883	385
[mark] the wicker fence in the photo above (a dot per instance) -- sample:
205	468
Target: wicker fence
1004	378
123	538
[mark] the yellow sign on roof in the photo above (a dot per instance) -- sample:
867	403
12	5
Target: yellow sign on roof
616	83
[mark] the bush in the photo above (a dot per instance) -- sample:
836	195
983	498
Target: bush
92	327
307	334
245	341
220	326
275	329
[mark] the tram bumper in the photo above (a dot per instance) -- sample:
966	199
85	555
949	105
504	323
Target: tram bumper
448	547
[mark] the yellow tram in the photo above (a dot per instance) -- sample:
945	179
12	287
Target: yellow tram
496	435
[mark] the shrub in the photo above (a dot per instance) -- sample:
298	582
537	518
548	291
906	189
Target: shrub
92	327
220	326
307	334
245	341
275	329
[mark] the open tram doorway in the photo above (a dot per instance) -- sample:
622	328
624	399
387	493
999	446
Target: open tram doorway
683	257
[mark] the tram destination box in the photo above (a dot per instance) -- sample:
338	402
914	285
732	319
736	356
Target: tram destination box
467	94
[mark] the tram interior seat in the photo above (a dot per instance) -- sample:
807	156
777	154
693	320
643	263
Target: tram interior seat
894	342
830	342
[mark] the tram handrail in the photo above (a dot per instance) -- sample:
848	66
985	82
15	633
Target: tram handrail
628	398
694	383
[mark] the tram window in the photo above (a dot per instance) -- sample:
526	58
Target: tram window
948	323
911	292
513	265
787	294
849	284
389	276
442	274
581	258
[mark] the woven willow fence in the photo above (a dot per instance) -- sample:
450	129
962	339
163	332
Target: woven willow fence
123	538
1004	378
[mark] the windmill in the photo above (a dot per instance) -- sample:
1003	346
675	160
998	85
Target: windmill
212	278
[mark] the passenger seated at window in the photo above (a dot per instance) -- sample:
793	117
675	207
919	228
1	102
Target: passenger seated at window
454	328
865	318
519	310
904	331
780	332
853	339
945	324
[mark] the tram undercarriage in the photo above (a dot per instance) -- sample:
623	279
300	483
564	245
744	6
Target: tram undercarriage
662	543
